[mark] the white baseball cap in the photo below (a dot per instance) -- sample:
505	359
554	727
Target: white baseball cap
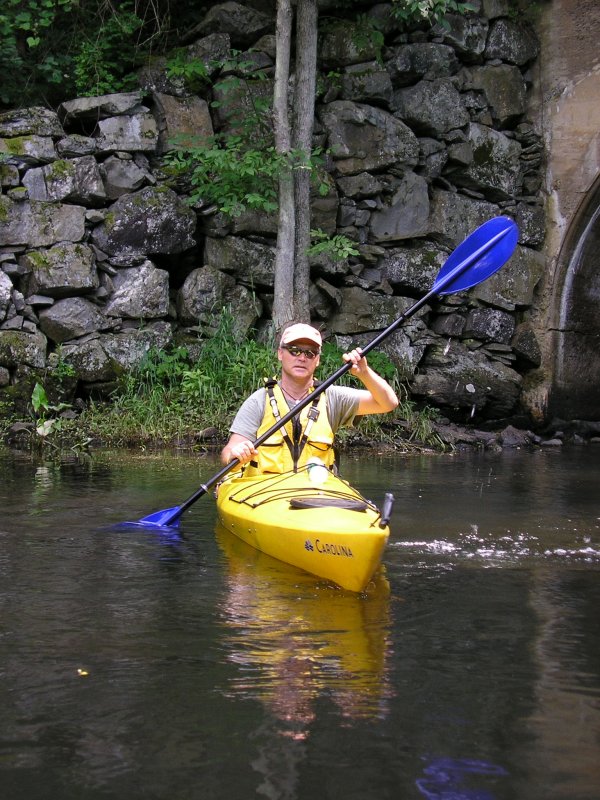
301	331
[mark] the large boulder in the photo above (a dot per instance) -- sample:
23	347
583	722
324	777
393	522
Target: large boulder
364	138
140	292
99	107
343	43
122	176
18	348
203	293
251	263
361	310
65	269
514	285
105	357
40	224
412	270
431	107
71	318
76	145
489	325
407	215
182	122
504	89
511	41
76	180
454	216
152	221
466	382
366	83
243	25
495	168
27	151
33	121
409	63
137	133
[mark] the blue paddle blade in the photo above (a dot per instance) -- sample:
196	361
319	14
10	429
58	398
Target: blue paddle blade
161	519
478	257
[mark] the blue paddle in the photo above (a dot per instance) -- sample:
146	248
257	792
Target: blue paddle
481	254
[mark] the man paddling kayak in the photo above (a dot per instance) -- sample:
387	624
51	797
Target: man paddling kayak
311	434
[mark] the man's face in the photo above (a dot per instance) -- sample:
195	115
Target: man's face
296	360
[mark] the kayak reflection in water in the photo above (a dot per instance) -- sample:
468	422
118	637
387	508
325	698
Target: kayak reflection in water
311	434
295	642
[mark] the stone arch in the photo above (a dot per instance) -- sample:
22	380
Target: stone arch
575	392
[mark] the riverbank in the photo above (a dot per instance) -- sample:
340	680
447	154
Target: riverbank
81	433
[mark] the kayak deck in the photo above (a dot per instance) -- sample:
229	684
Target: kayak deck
321	525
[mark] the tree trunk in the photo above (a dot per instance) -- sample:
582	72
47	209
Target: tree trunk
304	112
283	299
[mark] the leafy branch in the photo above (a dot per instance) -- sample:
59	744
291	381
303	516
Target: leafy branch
431	11
338	247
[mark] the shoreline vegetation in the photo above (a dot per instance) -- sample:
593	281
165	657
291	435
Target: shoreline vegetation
187	396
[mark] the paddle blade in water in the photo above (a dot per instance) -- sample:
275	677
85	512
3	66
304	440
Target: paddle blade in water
167	518
478	257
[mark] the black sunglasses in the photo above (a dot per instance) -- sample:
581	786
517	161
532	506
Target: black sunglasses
301	351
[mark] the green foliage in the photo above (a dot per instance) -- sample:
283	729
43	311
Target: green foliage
235	176
170	397
225	372
367	34
430	11
50	49
238	170
192	71
420	424
62	369
231	174
106	54
45	424
338	247
234	171
32	53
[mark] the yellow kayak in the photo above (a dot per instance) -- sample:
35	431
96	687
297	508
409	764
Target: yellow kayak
311	519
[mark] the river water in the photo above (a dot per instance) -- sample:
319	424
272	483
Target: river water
140	666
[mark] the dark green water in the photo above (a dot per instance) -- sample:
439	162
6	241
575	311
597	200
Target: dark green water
138	666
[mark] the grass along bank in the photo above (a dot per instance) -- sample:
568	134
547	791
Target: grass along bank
175	399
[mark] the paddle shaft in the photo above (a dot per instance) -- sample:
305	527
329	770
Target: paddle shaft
438	287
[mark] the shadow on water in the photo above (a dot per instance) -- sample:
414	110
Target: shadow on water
143	665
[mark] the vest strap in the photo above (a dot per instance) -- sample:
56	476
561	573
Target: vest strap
276	413
296	447
312	417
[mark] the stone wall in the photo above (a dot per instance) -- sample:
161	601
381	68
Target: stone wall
565	108
102	258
